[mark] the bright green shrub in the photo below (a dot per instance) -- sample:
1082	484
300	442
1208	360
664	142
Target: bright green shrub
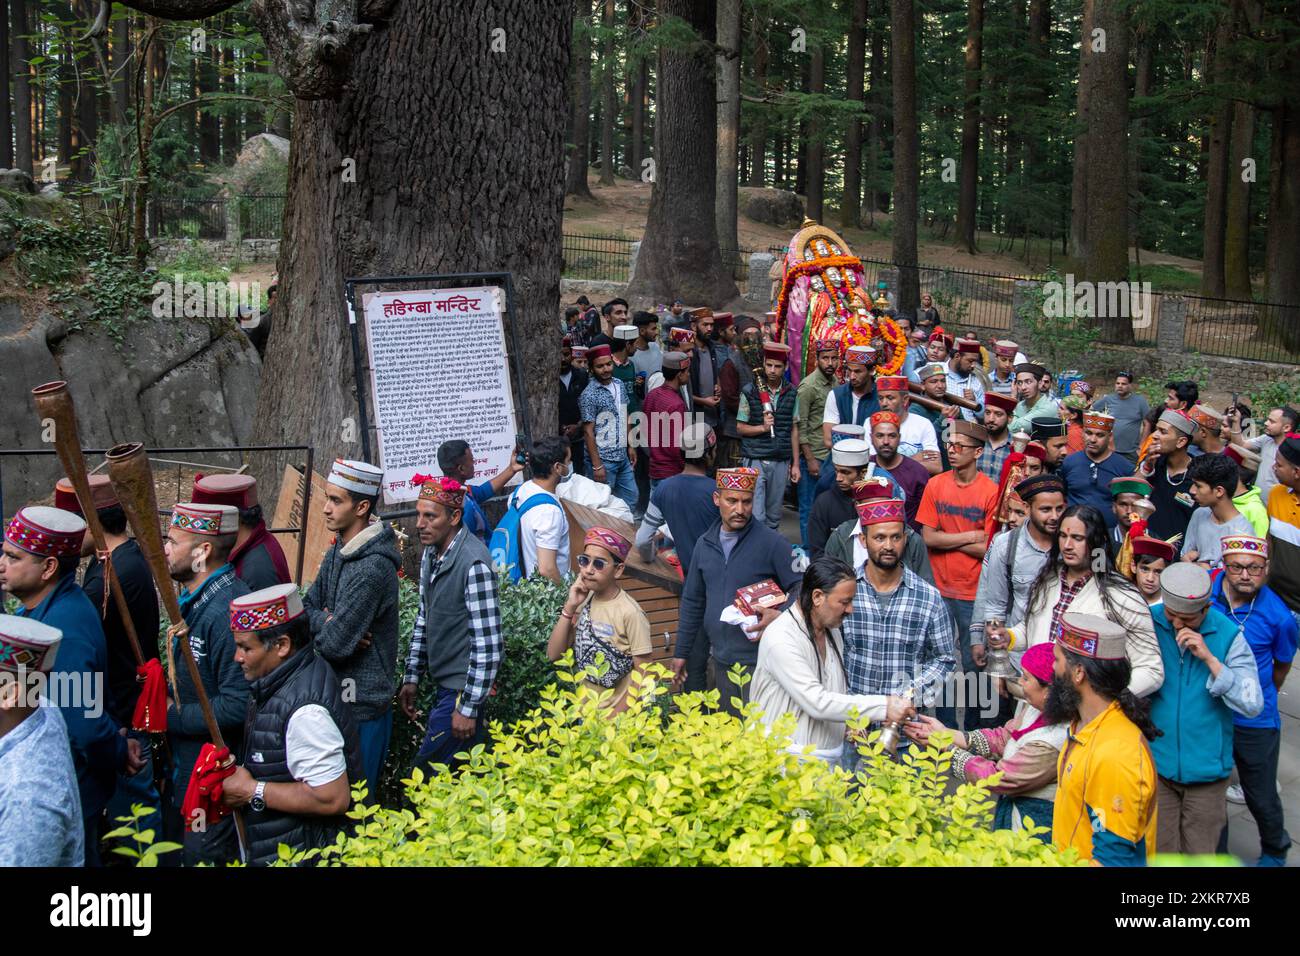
571	786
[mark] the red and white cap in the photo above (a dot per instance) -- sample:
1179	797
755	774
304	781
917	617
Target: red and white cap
265	609
212	520
46	532
239	491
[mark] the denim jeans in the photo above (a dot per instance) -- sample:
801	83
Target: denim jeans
621	479
374	737
439	746
807	492
948	713
769	495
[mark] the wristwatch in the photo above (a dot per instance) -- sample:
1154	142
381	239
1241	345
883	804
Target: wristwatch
258	803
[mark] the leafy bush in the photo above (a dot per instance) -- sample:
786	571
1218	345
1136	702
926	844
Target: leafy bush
528	612
1273	394
573	786
1153	387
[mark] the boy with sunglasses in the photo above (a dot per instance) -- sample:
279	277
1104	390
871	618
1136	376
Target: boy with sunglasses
600	618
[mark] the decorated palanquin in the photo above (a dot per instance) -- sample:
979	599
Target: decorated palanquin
824	296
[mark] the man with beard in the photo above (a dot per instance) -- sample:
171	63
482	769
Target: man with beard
855	401
457	638
1013	562
745	353
258	558
648	354
1280	422
1079	575
813	393
1166	468
197	549
736	551
1208	436
1106	779
848	542
706	388
1033	403
916	435
899	635
352	607
908	474
573	381
1088	474
1052	434
1265	621
1130	411
1211	675
997	416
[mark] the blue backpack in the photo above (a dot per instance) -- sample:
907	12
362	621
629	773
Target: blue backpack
505	546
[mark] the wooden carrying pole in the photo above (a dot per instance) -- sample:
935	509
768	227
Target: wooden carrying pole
128	468
949	398
54	403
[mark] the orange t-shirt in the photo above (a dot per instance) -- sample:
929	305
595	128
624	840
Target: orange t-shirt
952	508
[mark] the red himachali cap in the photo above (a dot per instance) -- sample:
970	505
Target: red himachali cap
776	351
238	491
102	494
262	610
46	532
613	542
1005	402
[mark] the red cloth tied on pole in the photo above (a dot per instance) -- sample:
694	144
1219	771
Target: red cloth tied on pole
203	795
151	706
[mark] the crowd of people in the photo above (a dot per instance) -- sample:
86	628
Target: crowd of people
1095	601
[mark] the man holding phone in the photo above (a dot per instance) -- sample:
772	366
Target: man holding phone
456	460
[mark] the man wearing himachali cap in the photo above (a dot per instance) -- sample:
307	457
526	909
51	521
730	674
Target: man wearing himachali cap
962	381
197	549
814	391
848	542
40	811
1265	621
258	558
352	606
301	754
855	401
767	421
1166	468
600	618
736	551
41	550
1088	473
1106	779
1210	674
457	637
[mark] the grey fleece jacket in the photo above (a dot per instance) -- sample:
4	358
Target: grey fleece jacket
355	594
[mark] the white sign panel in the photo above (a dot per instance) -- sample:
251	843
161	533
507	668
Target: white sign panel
439	371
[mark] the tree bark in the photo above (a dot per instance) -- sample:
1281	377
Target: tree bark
1107	211
1143	80
815	152
851	203
1218	137
229	117
1079	178
728	119
6	124
877	198
209	122
66	81
580	125
906	172
608	107
1282	278
640	91
1236	227
758	125
24	155
679	255
970	127
122	72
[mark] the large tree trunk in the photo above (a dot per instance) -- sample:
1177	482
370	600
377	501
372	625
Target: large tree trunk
816	149
1236	226
877	198
608	106
1107	211
679	255
970	128
122	73
851	203
229	117
1216	170
640	91
1040	26
1079	178
580	122
209	123
66	79
1143	80
1282	277
728	175
6	124
906	173
758	126
24	155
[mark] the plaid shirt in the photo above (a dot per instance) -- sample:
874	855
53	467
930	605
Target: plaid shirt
485	638
991	459
909	642
1068	594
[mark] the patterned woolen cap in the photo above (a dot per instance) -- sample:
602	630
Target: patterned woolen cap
265	609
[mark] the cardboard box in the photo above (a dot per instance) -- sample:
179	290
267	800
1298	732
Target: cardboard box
765	594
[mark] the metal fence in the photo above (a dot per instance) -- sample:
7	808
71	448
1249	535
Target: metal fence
1264	331
233	217
609	258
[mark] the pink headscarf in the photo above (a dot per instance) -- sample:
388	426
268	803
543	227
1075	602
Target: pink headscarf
1039	661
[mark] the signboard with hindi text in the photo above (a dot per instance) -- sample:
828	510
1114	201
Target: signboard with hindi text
439	371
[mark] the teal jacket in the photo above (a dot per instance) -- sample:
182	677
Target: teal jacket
1194	709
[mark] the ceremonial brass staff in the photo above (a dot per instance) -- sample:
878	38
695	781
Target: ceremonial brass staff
128	468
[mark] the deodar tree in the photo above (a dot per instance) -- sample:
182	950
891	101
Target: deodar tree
427	138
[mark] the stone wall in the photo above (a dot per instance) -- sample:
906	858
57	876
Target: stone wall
224	251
